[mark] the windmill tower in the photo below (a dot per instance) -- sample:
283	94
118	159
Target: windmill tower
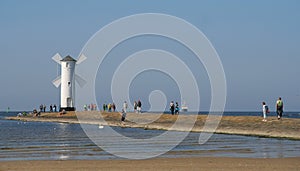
67	81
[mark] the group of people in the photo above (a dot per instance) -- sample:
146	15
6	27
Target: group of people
174	108
110	107
52	108
279	109
90	107
137	106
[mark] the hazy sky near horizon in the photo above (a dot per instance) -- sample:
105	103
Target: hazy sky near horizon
257	42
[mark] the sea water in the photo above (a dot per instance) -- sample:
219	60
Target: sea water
61	141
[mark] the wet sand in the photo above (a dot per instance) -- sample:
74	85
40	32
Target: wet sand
174	164
238	125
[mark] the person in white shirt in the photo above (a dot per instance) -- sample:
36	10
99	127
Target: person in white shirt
265	110
139	106
125	106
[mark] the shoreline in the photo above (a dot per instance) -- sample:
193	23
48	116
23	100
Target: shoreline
231	125
235	125
176	164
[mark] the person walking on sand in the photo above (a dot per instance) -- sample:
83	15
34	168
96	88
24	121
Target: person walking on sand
265	110
123	115
279	108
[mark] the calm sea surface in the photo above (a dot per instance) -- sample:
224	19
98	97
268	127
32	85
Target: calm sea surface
56	141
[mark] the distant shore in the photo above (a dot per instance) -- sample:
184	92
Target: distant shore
237	125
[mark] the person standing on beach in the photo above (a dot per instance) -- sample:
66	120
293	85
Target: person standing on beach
265	110
176	109
139	106
54	107
104	107
279	108
125	106
51	108
113	107
41	108
44	108
135	106
172	107
109	107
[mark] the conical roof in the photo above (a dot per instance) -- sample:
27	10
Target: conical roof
68	58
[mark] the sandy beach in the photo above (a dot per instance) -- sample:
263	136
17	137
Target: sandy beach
237	125
175	164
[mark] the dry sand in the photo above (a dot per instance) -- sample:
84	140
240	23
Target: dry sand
174	164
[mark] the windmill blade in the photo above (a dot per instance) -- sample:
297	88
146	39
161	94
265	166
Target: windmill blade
57	58
57	81
81	58
80	80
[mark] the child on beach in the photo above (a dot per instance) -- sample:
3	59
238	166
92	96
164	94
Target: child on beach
265	111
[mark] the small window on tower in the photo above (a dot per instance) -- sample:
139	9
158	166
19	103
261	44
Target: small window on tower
67	64
69	84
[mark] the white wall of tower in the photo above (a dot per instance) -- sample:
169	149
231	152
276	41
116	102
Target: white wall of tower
67	98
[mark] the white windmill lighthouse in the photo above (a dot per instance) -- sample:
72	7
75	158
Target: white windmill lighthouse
67	81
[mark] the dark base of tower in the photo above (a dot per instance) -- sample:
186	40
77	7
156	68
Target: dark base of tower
67	109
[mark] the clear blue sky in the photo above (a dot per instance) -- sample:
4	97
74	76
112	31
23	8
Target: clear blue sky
257	41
